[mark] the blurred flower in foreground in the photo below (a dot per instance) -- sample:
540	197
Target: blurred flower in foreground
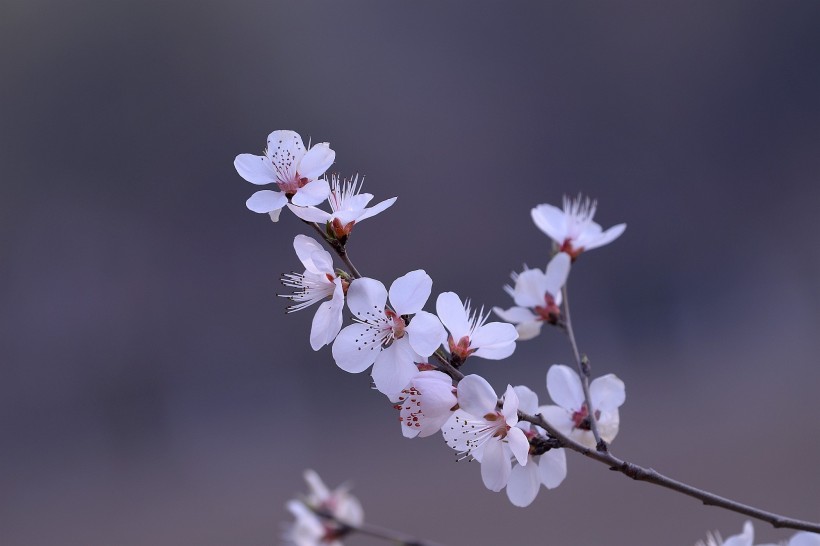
341	508
747	537
287	164
572	229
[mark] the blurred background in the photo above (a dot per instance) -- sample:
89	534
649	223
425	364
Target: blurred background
152	389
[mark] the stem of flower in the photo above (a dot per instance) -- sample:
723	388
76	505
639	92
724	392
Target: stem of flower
583	371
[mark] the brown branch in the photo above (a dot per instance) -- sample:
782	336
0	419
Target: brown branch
650	475
583	372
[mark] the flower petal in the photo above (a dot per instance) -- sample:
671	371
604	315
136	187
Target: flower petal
453	314
552	468
518	444
310	214
366	298
606	237
805	539
746	538
529	288
285	150
495	465
558	418
328	319
355	348
515	314
495	340
409	293
316	161
311	193
550	220
476	396
394	368
608	424
607	392
265	201
523	485
315	258
426	333
528	330
255	169
376	209
557	273
564	387
510	407
527	399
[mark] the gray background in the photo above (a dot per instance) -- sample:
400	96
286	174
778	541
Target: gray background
154	392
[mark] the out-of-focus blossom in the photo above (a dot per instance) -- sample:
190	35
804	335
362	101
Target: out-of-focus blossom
310	529
747	537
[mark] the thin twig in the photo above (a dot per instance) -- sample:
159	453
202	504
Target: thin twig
446	367
583	372
650	475
399	539
342	252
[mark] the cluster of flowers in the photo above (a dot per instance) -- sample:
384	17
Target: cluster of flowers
415	356
406	346
747	537
323	516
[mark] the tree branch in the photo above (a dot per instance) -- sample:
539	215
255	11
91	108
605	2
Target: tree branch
650	475
583	372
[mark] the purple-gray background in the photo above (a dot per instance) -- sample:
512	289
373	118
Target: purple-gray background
154	392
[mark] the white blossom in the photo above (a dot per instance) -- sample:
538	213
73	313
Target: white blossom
537	296
389	338
347	205
548	469
571	416
318	282
469	333
293	169
572	229
480	431
426	403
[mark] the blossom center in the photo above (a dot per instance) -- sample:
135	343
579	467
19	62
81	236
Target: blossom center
549	312
460	350
580	418
571	250
290	185
396	324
